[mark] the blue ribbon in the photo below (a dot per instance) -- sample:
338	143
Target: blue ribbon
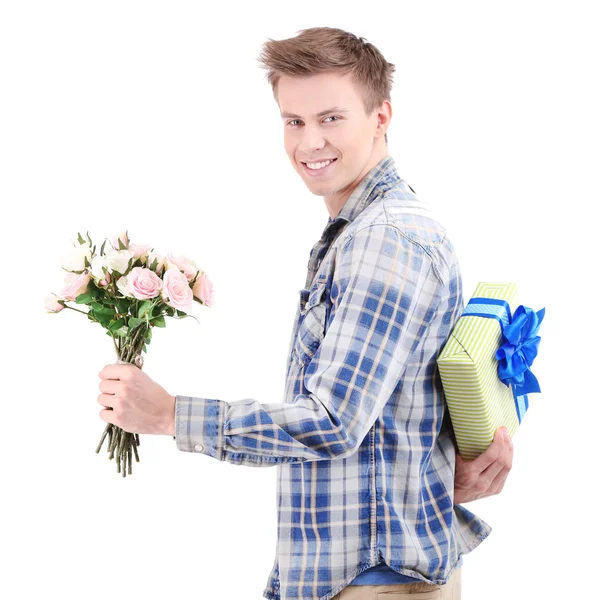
519	348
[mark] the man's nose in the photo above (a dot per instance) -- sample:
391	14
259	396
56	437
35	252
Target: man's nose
311	142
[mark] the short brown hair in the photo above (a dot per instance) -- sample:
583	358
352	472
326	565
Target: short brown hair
327	49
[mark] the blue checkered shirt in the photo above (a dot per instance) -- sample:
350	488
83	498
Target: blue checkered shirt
362	440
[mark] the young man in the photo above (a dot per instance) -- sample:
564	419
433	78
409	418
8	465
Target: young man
369	482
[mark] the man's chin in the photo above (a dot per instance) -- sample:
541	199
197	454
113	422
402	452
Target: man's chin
319	188
317	191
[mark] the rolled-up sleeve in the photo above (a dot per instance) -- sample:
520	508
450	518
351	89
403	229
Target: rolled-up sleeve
384	293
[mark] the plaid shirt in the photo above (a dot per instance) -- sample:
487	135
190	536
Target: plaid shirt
362	441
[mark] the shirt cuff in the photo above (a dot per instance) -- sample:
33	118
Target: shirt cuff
198	425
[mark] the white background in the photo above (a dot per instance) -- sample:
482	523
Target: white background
155	117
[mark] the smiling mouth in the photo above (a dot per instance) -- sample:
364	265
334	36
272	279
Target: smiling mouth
320	169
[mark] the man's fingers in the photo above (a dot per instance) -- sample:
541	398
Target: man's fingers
498	482
497	473
109	386
109	416
484	460
115	371
107	400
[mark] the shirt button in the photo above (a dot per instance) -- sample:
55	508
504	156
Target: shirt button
198	447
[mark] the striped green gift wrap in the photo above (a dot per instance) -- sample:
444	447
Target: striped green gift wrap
478	401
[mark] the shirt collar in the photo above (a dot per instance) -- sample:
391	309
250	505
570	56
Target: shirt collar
382	174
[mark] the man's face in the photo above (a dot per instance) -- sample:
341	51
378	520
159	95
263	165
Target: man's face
343	134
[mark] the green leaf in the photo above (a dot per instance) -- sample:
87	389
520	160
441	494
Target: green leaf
103	319
148	337
93	289
122	332
89	240
84	299
144	348
155	311
104	315
118	324
158	322
135	322
80	238
123	305
86	263
144	307
180	313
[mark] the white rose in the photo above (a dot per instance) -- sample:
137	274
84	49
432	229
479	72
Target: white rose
118	260
119	238
98	262
122	286
74	259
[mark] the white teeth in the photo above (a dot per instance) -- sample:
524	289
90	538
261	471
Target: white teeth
319	165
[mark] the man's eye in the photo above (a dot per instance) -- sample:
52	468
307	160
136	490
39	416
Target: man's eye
330	117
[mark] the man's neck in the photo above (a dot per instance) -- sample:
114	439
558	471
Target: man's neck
335	202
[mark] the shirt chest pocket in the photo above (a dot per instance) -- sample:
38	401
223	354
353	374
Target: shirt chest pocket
312	323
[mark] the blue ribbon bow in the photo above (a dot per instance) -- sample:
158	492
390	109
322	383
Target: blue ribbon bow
519	348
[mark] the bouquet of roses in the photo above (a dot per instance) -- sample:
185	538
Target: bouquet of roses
129	289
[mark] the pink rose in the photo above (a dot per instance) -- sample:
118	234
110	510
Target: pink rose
52	304
203	289
140	251
186	265
143	283
122	237
74	285
177	291
157	259
104	282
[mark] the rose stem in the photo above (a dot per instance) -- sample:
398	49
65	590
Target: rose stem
134	445
131	345
80	311
115	344
137	438
121	444
104	433
135	451
115	441
112	438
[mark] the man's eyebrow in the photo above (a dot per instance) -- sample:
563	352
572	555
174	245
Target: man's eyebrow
289	115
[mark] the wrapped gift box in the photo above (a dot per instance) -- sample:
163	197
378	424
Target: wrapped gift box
478	400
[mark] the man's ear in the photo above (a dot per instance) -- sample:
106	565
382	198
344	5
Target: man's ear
383	115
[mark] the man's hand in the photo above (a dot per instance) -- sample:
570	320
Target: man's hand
485	475
139	404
